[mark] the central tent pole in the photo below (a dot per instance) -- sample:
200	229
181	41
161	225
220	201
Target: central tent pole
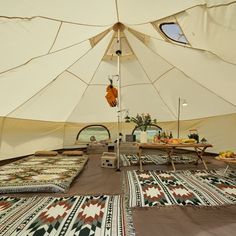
118	27
118	53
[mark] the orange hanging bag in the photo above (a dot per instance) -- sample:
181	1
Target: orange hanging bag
111	95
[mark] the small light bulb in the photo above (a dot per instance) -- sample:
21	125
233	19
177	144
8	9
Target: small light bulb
184	104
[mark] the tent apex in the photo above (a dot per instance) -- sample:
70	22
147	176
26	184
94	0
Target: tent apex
119	26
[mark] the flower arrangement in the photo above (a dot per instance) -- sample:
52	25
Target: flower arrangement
143	121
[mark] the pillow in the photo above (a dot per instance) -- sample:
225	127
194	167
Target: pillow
73	153
45	153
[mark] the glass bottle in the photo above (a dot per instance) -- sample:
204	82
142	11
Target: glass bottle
164	134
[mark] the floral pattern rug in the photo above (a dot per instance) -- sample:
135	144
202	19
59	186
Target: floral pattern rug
41	174
196	188
75	215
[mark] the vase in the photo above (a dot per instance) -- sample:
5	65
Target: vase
143	137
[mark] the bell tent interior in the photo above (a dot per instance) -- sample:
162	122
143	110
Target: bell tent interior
58	60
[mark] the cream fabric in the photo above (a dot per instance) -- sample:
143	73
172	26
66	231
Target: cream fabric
153	64
219	130
87	66
25	82
72	34
24	137
75	11
57	56
64	93
23	40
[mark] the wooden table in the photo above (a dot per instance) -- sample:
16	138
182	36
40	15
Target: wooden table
199	149
228	163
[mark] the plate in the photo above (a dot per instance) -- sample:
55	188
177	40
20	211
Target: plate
226	159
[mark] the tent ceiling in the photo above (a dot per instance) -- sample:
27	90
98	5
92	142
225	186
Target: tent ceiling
57	57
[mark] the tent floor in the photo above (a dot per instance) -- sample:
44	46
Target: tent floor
185	221
155	221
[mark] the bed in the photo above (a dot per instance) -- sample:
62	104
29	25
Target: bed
41	173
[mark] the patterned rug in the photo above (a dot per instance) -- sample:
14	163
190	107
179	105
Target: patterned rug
76	215
159	159
40	174
198	188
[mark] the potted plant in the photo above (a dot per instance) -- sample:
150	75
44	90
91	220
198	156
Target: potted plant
143	121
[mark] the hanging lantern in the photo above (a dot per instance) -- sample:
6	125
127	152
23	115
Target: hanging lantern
127	118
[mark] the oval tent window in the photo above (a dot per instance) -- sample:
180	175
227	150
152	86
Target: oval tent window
99	132
173	31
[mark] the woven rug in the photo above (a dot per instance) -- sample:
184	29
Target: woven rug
159	159
197	188
76	215
40	174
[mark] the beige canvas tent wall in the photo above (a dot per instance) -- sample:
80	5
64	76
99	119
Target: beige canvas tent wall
56	57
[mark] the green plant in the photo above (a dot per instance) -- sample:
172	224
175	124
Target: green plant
143	121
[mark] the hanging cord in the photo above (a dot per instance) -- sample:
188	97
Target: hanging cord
111	82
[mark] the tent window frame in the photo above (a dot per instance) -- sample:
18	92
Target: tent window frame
103	126
168	37
137	127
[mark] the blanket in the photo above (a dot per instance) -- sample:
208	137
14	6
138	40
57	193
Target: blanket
196	188
75	215
157	159
40	174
